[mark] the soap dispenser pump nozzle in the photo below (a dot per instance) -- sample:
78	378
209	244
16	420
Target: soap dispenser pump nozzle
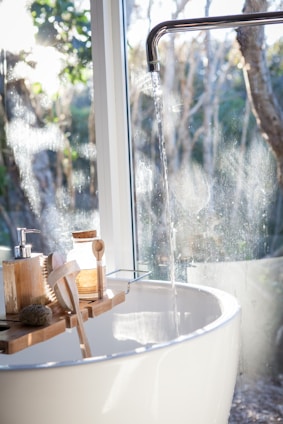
23	250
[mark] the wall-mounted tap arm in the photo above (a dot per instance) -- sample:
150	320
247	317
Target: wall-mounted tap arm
207	23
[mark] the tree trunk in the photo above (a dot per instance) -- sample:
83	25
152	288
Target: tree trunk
264	103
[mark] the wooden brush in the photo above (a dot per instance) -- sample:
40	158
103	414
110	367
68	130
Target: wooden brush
62	280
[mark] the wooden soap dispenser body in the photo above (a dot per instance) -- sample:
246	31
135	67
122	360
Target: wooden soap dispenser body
22	276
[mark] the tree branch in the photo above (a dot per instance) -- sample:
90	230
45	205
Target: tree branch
265	106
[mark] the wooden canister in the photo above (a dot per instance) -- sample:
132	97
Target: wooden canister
82	253
23	283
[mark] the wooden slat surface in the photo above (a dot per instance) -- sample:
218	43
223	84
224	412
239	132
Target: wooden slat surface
18	336
100	306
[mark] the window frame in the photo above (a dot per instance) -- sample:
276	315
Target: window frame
114	168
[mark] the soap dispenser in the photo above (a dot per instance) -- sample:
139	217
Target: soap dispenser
22	276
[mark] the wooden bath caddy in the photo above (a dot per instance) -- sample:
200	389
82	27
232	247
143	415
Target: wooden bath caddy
15	336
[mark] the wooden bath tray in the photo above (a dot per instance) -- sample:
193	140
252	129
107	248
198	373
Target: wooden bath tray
100	306
15	336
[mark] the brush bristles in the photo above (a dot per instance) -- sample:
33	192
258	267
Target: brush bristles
49	292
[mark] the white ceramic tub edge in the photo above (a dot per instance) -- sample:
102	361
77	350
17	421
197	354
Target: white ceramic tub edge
189	379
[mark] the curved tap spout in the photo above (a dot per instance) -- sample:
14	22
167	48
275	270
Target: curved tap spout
207	23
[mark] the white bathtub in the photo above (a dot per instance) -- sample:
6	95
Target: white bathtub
143	370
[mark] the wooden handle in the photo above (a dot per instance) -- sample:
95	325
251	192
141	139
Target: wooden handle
56	279
101	279
85	347
98	248
62	279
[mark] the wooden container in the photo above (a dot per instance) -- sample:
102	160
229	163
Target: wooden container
23	283
86	279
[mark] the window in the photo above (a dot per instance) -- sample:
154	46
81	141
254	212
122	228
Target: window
224	198
47	98
48	155
224	220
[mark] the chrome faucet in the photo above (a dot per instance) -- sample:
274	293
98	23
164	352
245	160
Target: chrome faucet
203	24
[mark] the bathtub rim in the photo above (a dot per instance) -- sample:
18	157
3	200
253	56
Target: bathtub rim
229	308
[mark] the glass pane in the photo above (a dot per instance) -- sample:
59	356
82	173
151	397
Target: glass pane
223	224
48	155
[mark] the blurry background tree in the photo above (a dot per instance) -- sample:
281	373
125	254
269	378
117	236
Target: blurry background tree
263	86
224	194
48	158
210	132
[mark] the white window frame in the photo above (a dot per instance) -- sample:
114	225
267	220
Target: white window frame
112	133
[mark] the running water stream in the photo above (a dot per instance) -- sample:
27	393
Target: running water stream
158	104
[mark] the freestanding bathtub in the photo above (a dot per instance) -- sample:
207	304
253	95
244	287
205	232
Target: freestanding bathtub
157	359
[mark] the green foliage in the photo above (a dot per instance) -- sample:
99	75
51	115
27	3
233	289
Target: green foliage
74	154
5	239
230	109
3	180
79	134
60	25
275	58
80	122
37	88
